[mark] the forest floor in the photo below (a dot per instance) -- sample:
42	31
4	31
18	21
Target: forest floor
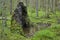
50	32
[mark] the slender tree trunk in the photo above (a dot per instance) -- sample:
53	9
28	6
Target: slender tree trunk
53	6
47	8
37	8
26	2
10	6
3	19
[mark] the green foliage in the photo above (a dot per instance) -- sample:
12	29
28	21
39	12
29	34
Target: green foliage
52	33
44	35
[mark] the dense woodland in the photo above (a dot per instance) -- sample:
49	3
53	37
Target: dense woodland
43	20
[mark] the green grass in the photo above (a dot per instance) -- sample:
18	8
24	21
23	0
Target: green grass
51	33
